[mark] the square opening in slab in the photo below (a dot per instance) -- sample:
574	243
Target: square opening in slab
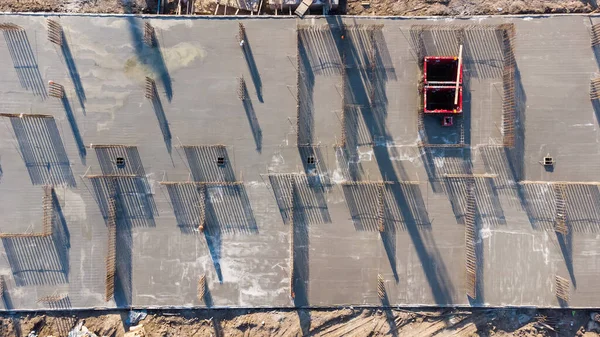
441	100
447	121
441	69
120	161
220	161
310	160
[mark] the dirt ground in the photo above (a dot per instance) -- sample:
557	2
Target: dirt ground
341	322
352	7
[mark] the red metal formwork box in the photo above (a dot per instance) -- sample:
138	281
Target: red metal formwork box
441	70
440	100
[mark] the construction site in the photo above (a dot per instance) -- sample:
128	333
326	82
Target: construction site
278	162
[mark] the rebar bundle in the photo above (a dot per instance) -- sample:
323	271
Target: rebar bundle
55	90
55	32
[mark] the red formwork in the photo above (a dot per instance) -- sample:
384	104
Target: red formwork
441	70
440	100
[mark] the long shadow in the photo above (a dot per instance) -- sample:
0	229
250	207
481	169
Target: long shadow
208	299
74	128
163	123
6	298
306	84
149	55
596	107
389	314
596	50
24	61
301	257
516	155
566	247
304	320
63	323
212	233
42	150
249	57
388	238
73	72
123	275
251	115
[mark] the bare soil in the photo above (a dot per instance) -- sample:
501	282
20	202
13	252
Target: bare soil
351	7
340	322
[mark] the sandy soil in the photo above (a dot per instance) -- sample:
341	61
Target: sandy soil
342	322
467	7
353	7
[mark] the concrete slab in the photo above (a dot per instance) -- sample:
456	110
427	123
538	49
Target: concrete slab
343	92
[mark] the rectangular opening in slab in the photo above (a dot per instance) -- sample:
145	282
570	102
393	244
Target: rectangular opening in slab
441	100
441	70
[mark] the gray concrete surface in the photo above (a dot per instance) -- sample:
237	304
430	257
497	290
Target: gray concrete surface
245	249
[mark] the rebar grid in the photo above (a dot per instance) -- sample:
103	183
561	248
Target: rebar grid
203	183
10	26
55	32
509	102
292	229
380	208
47	217
111	146
470	258
201	146
24	115
560	209
51	298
